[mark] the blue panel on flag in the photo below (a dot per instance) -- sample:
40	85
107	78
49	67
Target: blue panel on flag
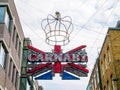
46	76
67	76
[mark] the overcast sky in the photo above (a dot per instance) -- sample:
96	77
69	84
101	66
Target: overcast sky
91	19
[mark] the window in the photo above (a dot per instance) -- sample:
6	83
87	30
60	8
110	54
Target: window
103	69
92	85
19	51
16	44
5	16
109	57
2	10
16	80
95	81
102	65
13	74
104	88
108	85
10	66
105	65
97	76
2	56
112	82
7	20
13	37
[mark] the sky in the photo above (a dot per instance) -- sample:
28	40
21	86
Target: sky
91	20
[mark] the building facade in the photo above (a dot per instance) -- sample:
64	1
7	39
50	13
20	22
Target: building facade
108	62
95	78
110	59
11	42
12	51
27	82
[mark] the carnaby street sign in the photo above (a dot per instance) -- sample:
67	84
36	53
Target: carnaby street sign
70	65
73	61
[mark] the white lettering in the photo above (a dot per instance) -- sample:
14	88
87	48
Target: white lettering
52	57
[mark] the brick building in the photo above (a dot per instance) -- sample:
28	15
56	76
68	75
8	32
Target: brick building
110	59
108	62
95	79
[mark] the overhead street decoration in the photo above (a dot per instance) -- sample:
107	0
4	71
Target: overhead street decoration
71	65
73	61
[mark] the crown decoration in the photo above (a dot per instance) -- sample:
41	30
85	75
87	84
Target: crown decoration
70	65
57	29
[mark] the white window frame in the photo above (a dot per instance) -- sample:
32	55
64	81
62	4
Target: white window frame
2	56
7	20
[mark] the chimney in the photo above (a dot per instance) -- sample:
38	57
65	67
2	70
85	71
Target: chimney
118	24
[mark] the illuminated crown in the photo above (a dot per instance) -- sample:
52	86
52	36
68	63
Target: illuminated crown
57	29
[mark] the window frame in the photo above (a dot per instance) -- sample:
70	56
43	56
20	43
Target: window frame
13	73
16	42
14	33
19	49
16	79
3	16
10	67
7	10
3	62
7	20
105	61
